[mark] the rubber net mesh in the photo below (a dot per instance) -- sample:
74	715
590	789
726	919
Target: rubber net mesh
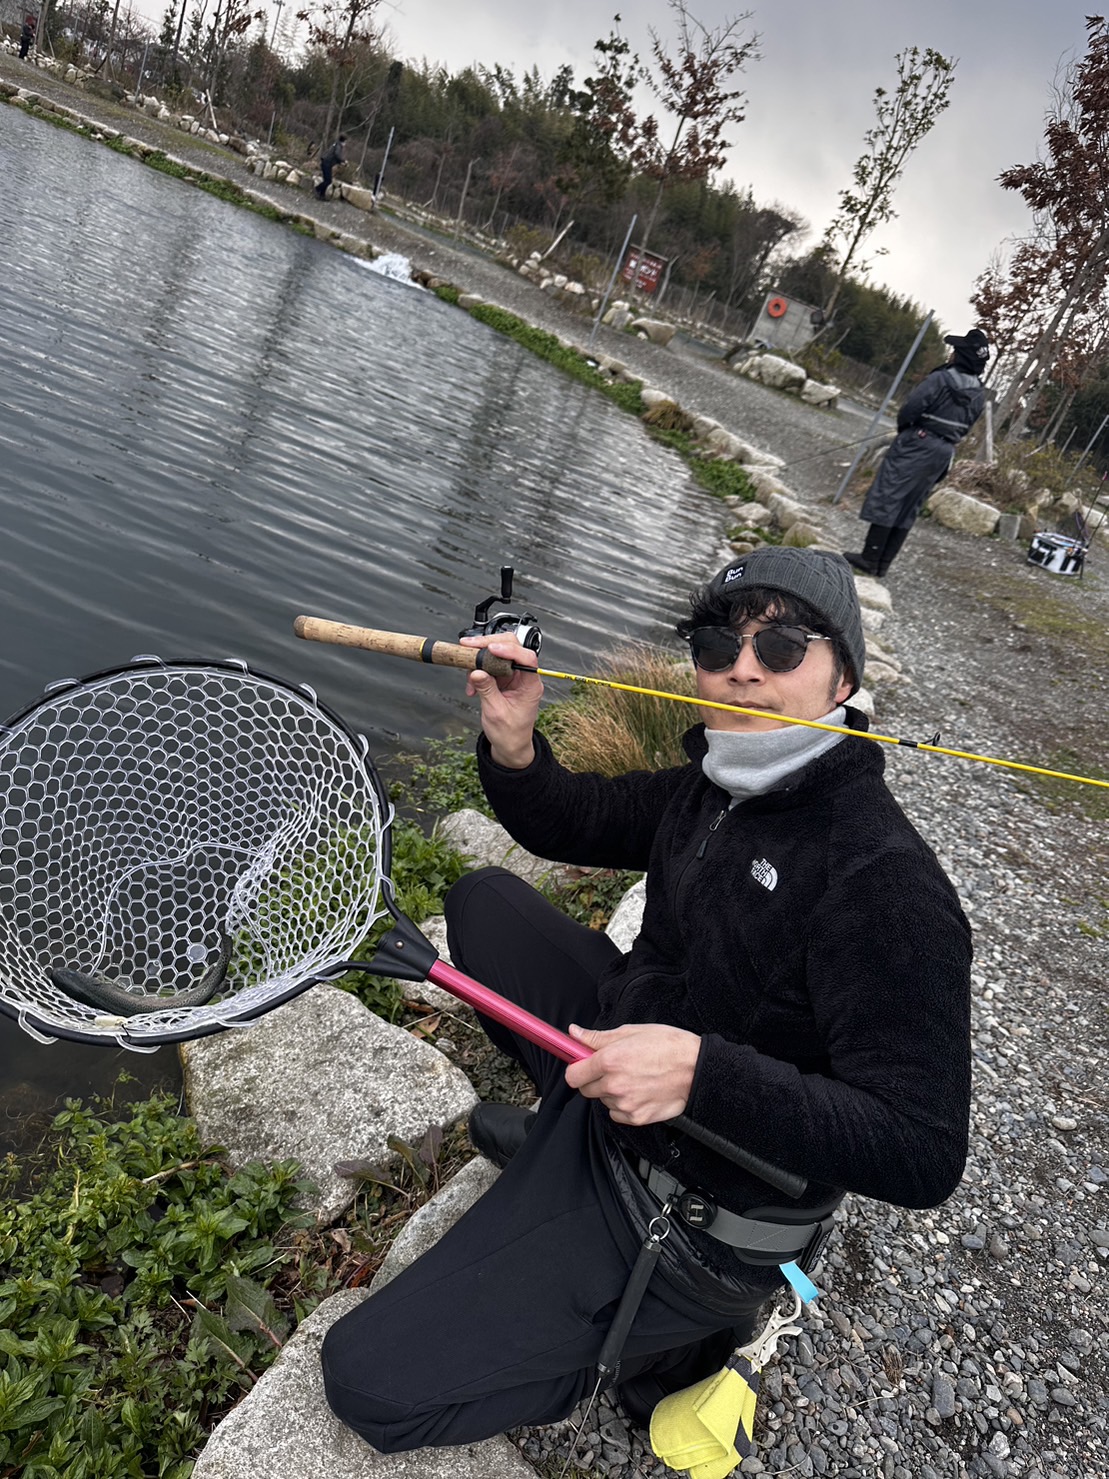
154	815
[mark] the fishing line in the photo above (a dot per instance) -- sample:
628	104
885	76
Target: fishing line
451	654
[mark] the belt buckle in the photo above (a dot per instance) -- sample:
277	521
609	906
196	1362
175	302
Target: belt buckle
697	1211
810	1256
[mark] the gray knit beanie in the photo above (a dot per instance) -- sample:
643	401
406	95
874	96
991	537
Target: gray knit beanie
820	577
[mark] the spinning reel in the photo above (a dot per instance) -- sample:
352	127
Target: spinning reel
492	621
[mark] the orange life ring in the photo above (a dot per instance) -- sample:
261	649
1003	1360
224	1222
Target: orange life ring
776	307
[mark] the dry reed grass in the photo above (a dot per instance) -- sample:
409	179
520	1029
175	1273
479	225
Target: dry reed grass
610	731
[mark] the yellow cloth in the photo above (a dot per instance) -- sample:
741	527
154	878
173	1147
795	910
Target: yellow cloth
707	1427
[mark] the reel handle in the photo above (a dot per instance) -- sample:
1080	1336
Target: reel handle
397	644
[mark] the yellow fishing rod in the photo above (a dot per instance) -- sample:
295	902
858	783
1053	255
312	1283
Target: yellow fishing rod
451	654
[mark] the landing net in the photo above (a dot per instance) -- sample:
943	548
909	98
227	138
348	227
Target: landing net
153	816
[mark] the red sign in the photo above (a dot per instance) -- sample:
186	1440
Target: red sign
644	269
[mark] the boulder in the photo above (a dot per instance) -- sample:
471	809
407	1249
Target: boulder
882	672
617	317
469	300
800	535
320	1080
873	621
876	652
724	444
752	515
655	330
957	510
652	398
786	511
283	1427
487	844
816	394
358	195
873	593
772	370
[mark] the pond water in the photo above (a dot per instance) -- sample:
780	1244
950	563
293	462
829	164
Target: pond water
210	424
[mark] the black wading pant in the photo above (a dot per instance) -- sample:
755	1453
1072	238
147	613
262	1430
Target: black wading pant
501	1323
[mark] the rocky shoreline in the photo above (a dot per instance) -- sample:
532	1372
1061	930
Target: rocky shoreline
970	1340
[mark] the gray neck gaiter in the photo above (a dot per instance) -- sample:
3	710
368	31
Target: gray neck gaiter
747	765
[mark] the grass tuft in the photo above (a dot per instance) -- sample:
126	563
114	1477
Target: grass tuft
611	731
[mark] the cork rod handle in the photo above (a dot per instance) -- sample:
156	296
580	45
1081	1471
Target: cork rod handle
397	644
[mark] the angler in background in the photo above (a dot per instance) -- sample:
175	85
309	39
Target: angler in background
800	987
336	155
933	420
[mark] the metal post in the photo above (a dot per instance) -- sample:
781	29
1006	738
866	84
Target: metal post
385	161
1089	444
462	202
611	282
905	363
987	443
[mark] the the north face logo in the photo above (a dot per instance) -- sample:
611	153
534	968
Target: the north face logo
764	873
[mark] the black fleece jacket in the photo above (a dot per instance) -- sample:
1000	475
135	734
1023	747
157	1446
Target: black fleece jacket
809	937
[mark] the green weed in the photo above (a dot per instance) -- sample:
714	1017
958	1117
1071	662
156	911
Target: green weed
140	1294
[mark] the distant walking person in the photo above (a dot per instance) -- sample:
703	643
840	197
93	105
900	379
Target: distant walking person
26	36
937	415
335	155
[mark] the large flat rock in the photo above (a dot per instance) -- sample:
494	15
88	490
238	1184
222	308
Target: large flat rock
321	1079
284	1429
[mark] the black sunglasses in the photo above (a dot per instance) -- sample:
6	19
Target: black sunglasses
780	649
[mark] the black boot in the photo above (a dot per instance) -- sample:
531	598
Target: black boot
871	556
498	1130
897	538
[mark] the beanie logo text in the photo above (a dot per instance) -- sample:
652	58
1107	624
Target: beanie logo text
733	574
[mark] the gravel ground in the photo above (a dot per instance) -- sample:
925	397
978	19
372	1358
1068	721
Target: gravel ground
969	1340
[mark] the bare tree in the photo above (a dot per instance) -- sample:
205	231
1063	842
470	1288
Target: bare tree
696	88
338	27
902	119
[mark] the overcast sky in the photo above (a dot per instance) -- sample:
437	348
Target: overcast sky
810	100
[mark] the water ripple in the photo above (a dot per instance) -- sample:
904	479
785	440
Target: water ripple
209	425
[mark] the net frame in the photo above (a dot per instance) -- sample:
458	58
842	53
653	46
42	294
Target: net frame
150	812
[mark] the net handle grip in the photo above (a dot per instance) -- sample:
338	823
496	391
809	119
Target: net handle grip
398	644
543	1035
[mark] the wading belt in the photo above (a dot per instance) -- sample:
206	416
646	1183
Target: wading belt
799	1236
